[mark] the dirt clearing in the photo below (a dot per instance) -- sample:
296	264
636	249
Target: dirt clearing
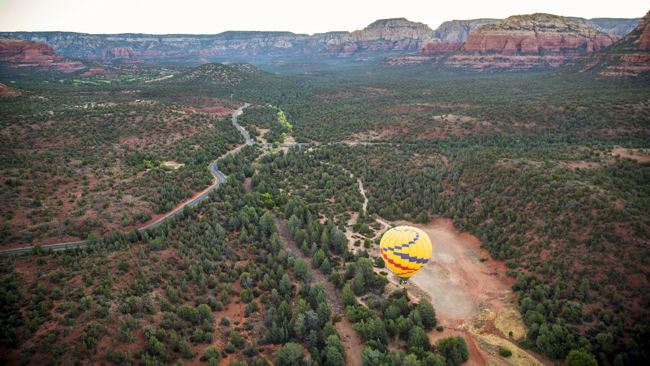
172	164
471	294
640	155
460	275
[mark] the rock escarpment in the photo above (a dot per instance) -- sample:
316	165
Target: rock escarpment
628	57
17	53
438	48
527	42
458	30
396	34
118	52
536	34
389	35
618	27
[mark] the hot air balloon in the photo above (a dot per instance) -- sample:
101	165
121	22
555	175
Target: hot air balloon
405	250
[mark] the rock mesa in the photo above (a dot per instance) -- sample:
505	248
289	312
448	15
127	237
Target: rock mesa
528	41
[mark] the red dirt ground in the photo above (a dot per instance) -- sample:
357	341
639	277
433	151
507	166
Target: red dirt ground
456	279
630	154
461	279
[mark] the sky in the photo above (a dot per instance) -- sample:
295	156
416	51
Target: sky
298	16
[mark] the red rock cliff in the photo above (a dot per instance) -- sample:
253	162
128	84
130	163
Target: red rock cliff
536	34
437	48
18	53
528	41
628	57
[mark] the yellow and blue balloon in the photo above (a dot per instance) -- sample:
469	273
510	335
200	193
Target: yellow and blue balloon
405	250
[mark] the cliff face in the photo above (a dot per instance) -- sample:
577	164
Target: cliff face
176	47
438	48
628	57
118	52
396	34
618	27
527	42
393	35
458	30
17	53
536	34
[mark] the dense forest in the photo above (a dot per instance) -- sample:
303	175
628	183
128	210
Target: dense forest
550	172
104	162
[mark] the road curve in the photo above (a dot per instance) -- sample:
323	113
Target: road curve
220	177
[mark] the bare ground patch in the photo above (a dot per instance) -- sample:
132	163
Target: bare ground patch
471	294
640	155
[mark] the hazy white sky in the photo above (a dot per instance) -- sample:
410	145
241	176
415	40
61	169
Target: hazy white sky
299	16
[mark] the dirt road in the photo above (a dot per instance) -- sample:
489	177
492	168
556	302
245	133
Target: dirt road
349	338
219	178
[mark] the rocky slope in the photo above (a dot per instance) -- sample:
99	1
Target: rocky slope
20	54
628	57
528	41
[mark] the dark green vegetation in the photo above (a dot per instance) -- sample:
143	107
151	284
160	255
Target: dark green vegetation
268	118
213	283
523	161
528	168
100	162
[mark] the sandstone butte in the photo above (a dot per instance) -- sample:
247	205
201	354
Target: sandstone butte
18	53
536	34
528	41
628	57
396	34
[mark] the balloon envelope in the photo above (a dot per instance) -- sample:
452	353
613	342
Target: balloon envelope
405	250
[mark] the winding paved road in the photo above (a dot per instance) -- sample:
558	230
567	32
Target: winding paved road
220	177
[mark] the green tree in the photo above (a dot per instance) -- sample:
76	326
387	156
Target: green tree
371	356
333	357
347	296
326	267
427	314
579	357
418	338
454	349
267	224
290	355
301	269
